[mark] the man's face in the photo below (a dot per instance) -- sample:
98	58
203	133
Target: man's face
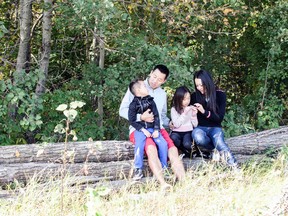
156	79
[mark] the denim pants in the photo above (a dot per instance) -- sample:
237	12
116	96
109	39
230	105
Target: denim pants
140	140
183	141
209	138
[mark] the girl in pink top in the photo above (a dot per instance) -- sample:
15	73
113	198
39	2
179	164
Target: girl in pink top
184	119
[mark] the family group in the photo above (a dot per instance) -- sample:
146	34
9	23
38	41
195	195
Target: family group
195	118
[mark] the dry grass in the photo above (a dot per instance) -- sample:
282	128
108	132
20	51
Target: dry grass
210	190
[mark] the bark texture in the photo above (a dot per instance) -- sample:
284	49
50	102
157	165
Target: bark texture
258	143
25	32
46	46
111	160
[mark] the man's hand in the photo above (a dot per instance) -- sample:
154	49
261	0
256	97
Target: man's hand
146	132
155	134
147	116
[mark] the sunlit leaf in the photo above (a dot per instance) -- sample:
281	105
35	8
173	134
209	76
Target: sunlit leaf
70	114
59	128
75	104
62	107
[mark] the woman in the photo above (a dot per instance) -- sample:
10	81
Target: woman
211	105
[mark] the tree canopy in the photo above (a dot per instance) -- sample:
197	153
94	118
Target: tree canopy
243	43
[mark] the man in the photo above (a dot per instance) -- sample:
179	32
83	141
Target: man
157	77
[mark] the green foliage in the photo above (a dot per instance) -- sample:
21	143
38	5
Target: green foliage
3	29
243	43
94	200
51	116
70	113
268	117
236	122
26	104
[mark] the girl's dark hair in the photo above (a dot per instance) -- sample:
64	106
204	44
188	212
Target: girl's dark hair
178	98
210	90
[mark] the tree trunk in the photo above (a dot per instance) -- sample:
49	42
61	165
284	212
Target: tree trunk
104	151
258	143
112	170
101	65
112	159
77	152
46	46
23	57
25	31
42	171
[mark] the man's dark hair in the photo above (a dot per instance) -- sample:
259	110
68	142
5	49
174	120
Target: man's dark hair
133	84
163	69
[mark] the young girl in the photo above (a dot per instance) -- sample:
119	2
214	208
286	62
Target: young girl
184	118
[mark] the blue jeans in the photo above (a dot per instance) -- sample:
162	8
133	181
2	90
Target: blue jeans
210	138
140	140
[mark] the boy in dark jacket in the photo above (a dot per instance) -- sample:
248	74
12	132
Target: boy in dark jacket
143	101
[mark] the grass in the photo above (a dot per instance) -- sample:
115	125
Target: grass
255	189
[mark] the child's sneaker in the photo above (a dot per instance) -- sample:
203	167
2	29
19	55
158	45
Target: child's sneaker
138	174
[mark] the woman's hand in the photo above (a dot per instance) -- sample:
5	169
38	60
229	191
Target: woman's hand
199	107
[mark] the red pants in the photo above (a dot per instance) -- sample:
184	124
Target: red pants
149	140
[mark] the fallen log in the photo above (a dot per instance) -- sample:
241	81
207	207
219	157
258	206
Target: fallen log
76	152
260	142
109	159
94	172
22	172
105	151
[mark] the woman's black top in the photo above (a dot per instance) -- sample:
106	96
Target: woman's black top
210	118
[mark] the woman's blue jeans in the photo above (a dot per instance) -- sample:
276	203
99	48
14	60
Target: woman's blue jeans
209	138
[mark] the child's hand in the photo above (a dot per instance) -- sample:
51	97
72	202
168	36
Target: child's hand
171	125
194	111
187	109
146	132
155	134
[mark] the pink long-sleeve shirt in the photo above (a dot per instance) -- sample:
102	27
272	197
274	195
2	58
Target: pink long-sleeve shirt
185	121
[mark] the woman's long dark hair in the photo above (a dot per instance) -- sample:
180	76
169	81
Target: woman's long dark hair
178	98
210	90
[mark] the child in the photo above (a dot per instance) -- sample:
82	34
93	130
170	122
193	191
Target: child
143	101
184	118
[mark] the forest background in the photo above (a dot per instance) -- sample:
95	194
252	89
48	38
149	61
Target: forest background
56	52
